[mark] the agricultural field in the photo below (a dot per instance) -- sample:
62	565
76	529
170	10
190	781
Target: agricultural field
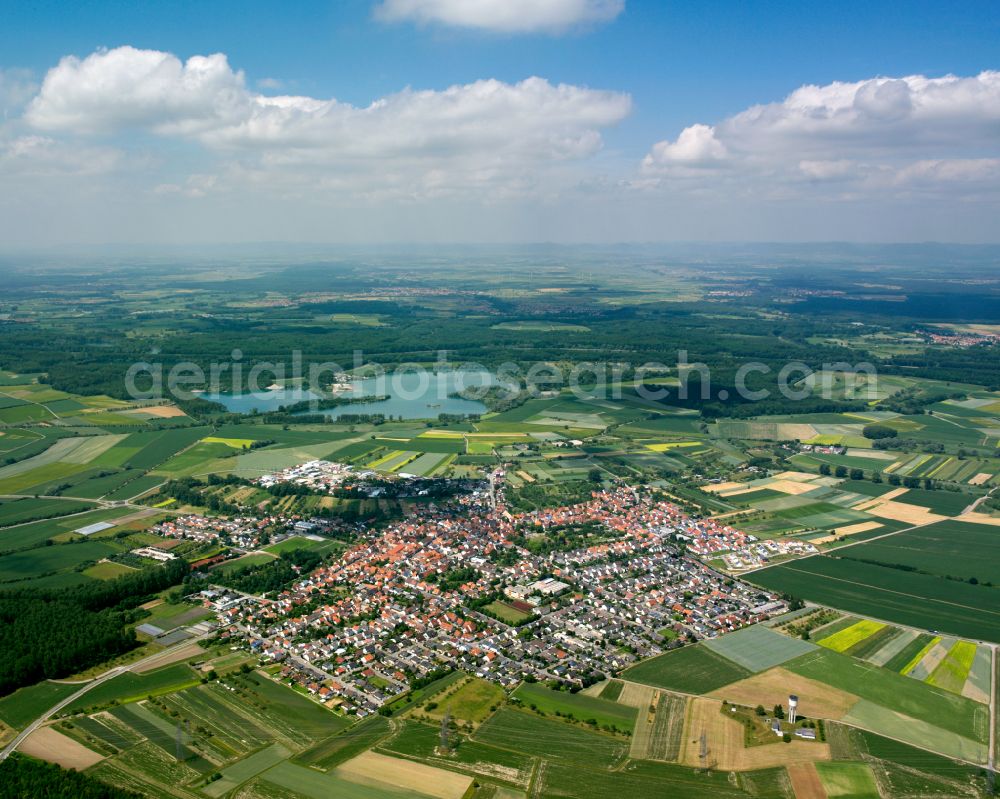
692	669
924	601
576	707
961	667
757	647
890	702
573	743
331	752
659	728
20	511
854	780
845	639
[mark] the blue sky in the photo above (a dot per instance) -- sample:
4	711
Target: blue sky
680	66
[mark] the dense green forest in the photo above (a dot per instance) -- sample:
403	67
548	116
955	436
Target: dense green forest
776	318
26	778
273	576
49	633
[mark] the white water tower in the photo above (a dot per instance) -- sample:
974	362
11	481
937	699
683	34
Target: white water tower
793	704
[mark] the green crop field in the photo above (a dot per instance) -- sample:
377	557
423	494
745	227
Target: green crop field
34	534
130	687
331	752
757	648
692	669
871	716
906	597
612	690
604	712
19	511
289	780
645	779
509	614
248	767
948	549
909	653
21	566
854	780
20	708
894	692
135	487
525	732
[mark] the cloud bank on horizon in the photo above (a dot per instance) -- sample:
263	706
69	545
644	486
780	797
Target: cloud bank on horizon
502	16
884	134
191	143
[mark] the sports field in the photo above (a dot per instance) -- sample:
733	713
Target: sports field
472	701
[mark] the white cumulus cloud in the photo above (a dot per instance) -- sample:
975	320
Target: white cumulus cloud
696	145
502	16
476	134
878	134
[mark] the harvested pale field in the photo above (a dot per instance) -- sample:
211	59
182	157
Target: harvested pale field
525	476
773	686
737	491
901	512
872	454
871	502
659	735
158	411
979	518
798	477
805	781
642	735
719	488
91	447
47	743
168	657
372	767
975	693
980	478
861	527
635	695
930	661
725	739
151	604
793	487
595	689
850	529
